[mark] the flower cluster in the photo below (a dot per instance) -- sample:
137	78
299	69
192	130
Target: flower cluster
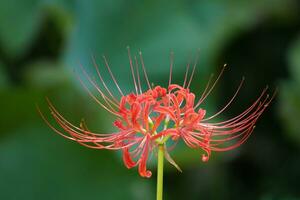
146	119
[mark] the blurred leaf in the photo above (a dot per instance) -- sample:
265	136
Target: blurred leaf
19	22
106	27
290	109
294	60
157	35
3	77
19	108
45	74
290	96
42	165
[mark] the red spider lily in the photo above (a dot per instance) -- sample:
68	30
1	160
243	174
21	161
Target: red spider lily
146	119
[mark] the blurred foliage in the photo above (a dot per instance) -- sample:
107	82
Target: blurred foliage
290	95
42	42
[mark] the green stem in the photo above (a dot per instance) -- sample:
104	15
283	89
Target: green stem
160	172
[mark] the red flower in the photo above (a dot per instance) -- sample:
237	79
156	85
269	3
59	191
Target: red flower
145	119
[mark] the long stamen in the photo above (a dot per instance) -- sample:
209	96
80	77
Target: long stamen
248	110
112	75
107	100
193	71
212	87
231	100
205	90
83	139
101	78
144	69
138	75
171	66
54	110
95	98
186	73
241	121
132	71
51	126
70	131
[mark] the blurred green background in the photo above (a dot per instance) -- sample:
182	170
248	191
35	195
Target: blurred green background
43	41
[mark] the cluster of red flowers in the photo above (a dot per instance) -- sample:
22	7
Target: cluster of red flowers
159	115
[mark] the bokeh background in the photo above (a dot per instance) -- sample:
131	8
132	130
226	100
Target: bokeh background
42	42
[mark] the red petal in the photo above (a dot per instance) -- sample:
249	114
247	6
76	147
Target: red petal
143	161
129	163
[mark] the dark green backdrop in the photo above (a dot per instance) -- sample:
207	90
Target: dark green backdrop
43	41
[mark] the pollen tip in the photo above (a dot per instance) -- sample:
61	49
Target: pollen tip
225	65
276	91
148	174
205	158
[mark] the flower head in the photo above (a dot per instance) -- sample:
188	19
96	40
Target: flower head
146	119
